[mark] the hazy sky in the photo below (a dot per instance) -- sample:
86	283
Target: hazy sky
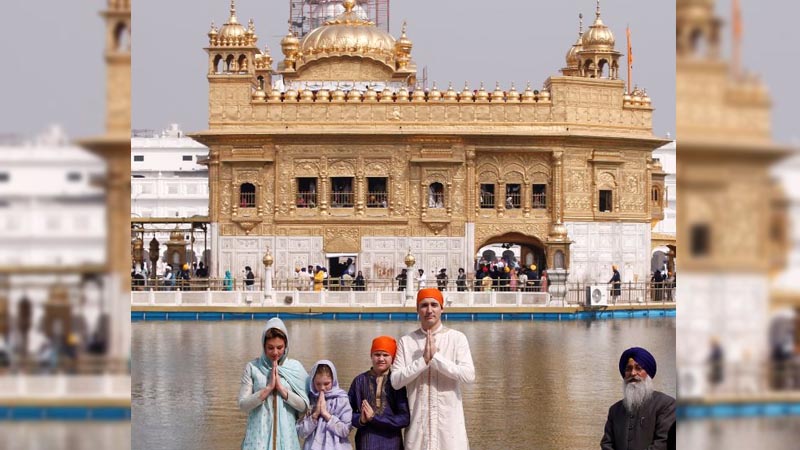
53	71
501	40
55	74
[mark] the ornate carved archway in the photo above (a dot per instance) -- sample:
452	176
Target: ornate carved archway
529	245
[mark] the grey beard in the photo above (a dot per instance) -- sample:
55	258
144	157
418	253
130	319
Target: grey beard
636	393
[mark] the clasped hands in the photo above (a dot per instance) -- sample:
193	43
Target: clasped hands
430	346
274	385
321	408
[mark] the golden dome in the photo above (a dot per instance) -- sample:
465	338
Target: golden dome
572	54
232	29
348	33
598	36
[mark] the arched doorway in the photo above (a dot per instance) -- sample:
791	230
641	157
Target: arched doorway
514	248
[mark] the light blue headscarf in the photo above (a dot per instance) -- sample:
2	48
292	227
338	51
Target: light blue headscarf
258	435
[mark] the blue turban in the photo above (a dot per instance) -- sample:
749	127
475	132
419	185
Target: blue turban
642	357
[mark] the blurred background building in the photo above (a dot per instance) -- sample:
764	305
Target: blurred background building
64	265
732	218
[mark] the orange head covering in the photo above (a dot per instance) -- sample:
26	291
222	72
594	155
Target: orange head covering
384	343
433	293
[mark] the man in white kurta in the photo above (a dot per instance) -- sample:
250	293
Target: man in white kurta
432	363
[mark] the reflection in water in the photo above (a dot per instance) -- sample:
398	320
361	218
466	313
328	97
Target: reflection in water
65	435
540	385
739	434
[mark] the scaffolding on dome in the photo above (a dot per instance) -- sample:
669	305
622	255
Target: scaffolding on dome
305	15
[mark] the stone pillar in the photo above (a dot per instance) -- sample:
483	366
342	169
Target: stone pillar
267	261
558	159
409	260
557	287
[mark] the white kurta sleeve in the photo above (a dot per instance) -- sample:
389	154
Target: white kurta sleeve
296	402
405	370
248	399
462	369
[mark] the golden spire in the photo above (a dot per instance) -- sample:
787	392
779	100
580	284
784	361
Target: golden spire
348	5
597	13
580	24
232	18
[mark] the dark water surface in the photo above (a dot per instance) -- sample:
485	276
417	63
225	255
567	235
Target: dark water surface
540	385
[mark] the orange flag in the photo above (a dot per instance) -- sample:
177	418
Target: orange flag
630	56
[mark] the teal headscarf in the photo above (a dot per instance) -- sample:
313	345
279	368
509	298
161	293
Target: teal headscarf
228	282
258	435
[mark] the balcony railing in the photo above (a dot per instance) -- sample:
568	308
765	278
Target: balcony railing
247	200
342	199
486	199
306	200
513	201
539	201
377	199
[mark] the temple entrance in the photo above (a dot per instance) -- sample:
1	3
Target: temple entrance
514	249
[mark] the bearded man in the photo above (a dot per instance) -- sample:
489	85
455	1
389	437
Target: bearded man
642	419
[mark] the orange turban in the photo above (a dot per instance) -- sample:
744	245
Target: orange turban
433	293
384	343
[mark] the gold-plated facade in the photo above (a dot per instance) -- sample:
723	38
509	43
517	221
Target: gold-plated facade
348	163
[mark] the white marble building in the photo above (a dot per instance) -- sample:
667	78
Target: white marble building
51	213
666	155
166	179
52	216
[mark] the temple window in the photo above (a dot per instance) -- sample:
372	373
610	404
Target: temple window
513	196
341	192
122	39
217	60
436	195
230	64
700	239
377	192
247	195
606	201
539	196
656	195
486	196
306	193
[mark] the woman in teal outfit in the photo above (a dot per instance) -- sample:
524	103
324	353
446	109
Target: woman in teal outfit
274	399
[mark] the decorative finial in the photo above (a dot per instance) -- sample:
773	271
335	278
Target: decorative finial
497	85
482	86
233	8
349	5
434	85
598	9
512	86
466	85
251	25
405	25
450	86
528	87
580	26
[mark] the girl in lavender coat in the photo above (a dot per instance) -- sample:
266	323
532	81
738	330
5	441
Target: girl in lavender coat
327	425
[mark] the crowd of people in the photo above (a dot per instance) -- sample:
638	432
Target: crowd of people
42	341
411	397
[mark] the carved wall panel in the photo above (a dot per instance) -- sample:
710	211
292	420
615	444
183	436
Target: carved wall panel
350	69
